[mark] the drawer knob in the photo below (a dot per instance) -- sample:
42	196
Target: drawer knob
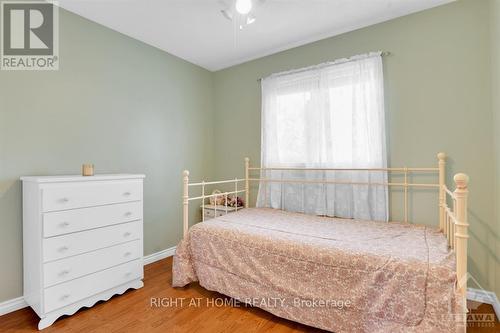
63	248
127	194
64	200
64	297
65	272
64	224
128	213
128	274
127	254
127	234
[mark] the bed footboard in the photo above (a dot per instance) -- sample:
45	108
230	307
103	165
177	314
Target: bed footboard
456	227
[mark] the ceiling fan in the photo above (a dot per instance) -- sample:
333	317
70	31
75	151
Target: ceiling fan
241	10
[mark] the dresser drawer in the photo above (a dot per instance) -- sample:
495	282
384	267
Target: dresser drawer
74	267
78	289
72	244
67	221
87	194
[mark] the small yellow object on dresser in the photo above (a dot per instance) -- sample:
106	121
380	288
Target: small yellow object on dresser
87	170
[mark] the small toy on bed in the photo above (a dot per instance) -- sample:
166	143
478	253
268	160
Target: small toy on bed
217	200
235	201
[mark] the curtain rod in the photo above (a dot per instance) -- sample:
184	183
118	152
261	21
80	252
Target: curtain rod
329	63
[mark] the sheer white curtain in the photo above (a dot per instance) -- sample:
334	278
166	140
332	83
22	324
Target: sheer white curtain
326	116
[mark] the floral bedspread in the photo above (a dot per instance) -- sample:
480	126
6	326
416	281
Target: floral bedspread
339	275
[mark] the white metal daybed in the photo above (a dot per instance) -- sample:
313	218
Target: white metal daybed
340	275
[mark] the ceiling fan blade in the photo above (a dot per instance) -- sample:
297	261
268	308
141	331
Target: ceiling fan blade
227	14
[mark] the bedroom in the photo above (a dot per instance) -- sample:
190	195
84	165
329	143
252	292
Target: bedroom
171	86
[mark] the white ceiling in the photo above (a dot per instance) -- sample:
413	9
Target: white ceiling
196	31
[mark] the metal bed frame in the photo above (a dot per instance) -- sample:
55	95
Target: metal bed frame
452	220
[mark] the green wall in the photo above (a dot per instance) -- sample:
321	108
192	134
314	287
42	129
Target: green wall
438	98
495	93
116	102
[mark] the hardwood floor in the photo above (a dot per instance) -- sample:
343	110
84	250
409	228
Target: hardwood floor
132	312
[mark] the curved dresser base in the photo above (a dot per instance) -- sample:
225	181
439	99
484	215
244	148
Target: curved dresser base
51	317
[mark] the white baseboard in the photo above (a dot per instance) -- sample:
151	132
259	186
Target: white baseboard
12	305
159	255
19	303
483	296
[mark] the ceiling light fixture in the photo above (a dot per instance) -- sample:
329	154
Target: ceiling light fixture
250	19
243	6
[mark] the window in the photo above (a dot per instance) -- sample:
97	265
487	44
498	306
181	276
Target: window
327	116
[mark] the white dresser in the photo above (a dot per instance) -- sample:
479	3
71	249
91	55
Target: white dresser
82	241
